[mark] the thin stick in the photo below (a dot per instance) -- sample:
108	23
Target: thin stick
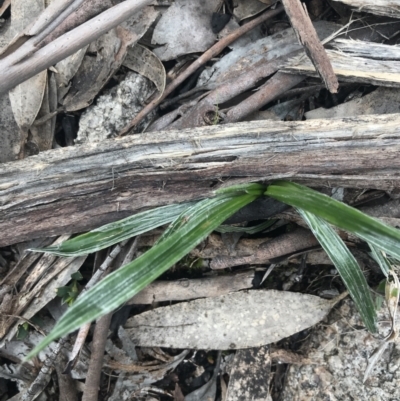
4	7
308	37
204	58
277	85
25	43
100	273
96	360
44	375
67	44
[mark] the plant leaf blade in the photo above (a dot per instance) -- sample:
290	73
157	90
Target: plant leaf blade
113	233
380	259
338	214
193	226
346	265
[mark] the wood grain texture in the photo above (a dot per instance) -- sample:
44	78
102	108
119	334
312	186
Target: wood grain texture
307	35
75	189
361	48
350	68
389	8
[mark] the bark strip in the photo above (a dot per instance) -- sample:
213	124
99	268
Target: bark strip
75	189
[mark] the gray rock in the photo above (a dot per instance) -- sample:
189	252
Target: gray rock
341	349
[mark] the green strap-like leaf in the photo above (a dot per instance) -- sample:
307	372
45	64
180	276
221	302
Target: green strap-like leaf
346	265
189	230
248	230
338	214
380	259
111	234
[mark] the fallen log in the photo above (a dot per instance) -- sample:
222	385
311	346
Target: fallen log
75	189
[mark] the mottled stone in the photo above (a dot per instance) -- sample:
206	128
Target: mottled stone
341	349
115	109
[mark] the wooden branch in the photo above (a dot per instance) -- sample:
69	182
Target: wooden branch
4	6
360	48
389	8
355	69
65	45
213	51
308	37
75	189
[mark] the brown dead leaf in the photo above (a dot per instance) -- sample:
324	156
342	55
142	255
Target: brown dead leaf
10	143
185	28
26	98
66	69
249	8
146	63
177	393
5	34
43	134
104	57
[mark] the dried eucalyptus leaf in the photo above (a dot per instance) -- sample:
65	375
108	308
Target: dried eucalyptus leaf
249	8
185	28
239	320
26	98
10	142
53	102
146	63
5	34
104	57
101	60
139	23
66	69
43	134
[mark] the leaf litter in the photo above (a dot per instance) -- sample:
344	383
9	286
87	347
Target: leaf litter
171	37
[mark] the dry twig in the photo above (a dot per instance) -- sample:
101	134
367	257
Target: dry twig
65	45
308	37
282	246
96	360
204	58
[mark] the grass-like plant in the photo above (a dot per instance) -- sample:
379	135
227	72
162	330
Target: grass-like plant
192	222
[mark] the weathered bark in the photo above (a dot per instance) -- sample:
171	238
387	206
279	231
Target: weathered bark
361	48
75	189
308	37
389	8
357	61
